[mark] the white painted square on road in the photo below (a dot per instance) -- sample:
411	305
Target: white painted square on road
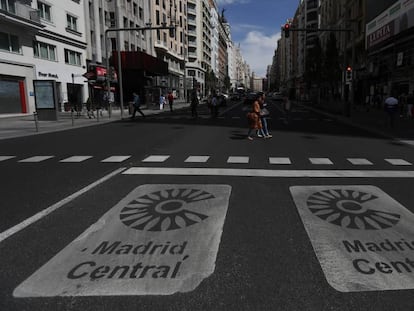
4	158
273	160
116	159
323	161
197	159
363	238
160	239
238	160
36	159
156	158
359	161
398	162
75	159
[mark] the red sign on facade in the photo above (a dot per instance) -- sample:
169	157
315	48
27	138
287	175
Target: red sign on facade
381	34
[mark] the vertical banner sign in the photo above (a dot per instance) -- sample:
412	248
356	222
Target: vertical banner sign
363	238
158	240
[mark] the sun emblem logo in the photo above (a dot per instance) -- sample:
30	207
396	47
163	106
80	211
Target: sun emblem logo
347	209
164	210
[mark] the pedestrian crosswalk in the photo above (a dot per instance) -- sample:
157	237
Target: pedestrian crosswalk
204	158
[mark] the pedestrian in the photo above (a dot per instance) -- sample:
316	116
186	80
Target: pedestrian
402	102
391	109
214	106
194	104
410	105
136	104
90	108
263	114
286	107
253	118
171	100
162	101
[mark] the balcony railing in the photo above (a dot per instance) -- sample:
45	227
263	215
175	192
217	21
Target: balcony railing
22	12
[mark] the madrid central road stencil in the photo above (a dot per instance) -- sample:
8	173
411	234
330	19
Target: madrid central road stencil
363	238
158	240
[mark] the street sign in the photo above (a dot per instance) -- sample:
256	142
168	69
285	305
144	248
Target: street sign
363	238
158	240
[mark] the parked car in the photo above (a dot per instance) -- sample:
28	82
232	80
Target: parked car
277	96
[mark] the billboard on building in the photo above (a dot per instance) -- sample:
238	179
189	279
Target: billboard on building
393	20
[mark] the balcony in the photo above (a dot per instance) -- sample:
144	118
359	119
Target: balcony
21	15
161	45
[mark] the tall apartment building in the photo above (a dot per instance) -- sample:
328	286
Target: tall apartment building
199	41
41	40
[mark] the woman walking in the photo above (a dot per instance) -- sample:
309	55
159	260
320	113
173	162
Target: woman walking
253	118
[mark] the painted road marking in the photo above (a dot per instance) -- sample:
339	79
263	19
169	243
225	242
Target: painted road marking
279	160
156	158
9	232
197	159
4	158
36	159
191	171
397	162
363	238
75	159
116	159
238	160
323	161
158	240
359	161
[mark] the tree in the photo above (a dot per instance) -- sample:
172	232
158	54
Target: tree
227	83
313	67
211	81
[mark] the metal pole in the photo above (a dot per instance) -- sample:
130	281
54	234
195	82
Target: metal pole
121	90
352	94
36	121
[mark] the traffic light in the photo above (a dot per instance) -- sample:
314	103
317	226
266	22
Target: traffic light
348	73
286	28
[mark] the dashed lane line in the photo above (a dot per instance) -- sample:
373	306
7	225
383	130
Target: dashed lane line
4	158
75	159
398	162
36	159
116	159
13	230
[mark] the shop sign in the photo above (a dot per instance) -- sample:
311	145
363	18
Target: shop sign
380	34
158	240
363	238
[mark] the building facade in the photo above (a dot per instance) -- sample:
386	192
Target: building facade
35	45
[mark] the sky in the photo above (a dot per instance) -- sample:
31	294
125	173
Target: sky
255	25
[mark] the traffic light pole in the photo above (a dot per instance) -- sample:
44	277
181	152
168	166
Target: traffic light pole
352	88
108	83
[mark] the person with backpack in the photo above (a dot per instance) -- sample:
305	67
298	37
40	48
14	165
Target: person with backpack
194	104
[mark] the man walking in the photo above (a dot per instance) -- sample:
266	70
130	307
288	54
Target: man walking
137	104
171	100
194	104
391	108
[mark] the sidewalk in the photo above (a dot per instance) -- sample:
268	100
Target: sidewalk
18	125
370	119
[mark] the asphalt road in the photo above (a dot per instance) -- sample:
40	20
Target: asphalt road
267	250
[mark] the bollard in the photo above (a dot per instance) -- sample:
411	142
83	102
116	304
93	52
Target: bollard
71	114
109	111
97	114
36	121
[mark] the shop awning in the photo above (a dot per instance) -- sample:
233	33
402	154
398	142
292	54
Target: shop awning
141	61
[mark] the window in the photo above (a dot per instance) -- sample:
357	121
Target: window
9	42
44	11
8	5
44	50
71	22
72	57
